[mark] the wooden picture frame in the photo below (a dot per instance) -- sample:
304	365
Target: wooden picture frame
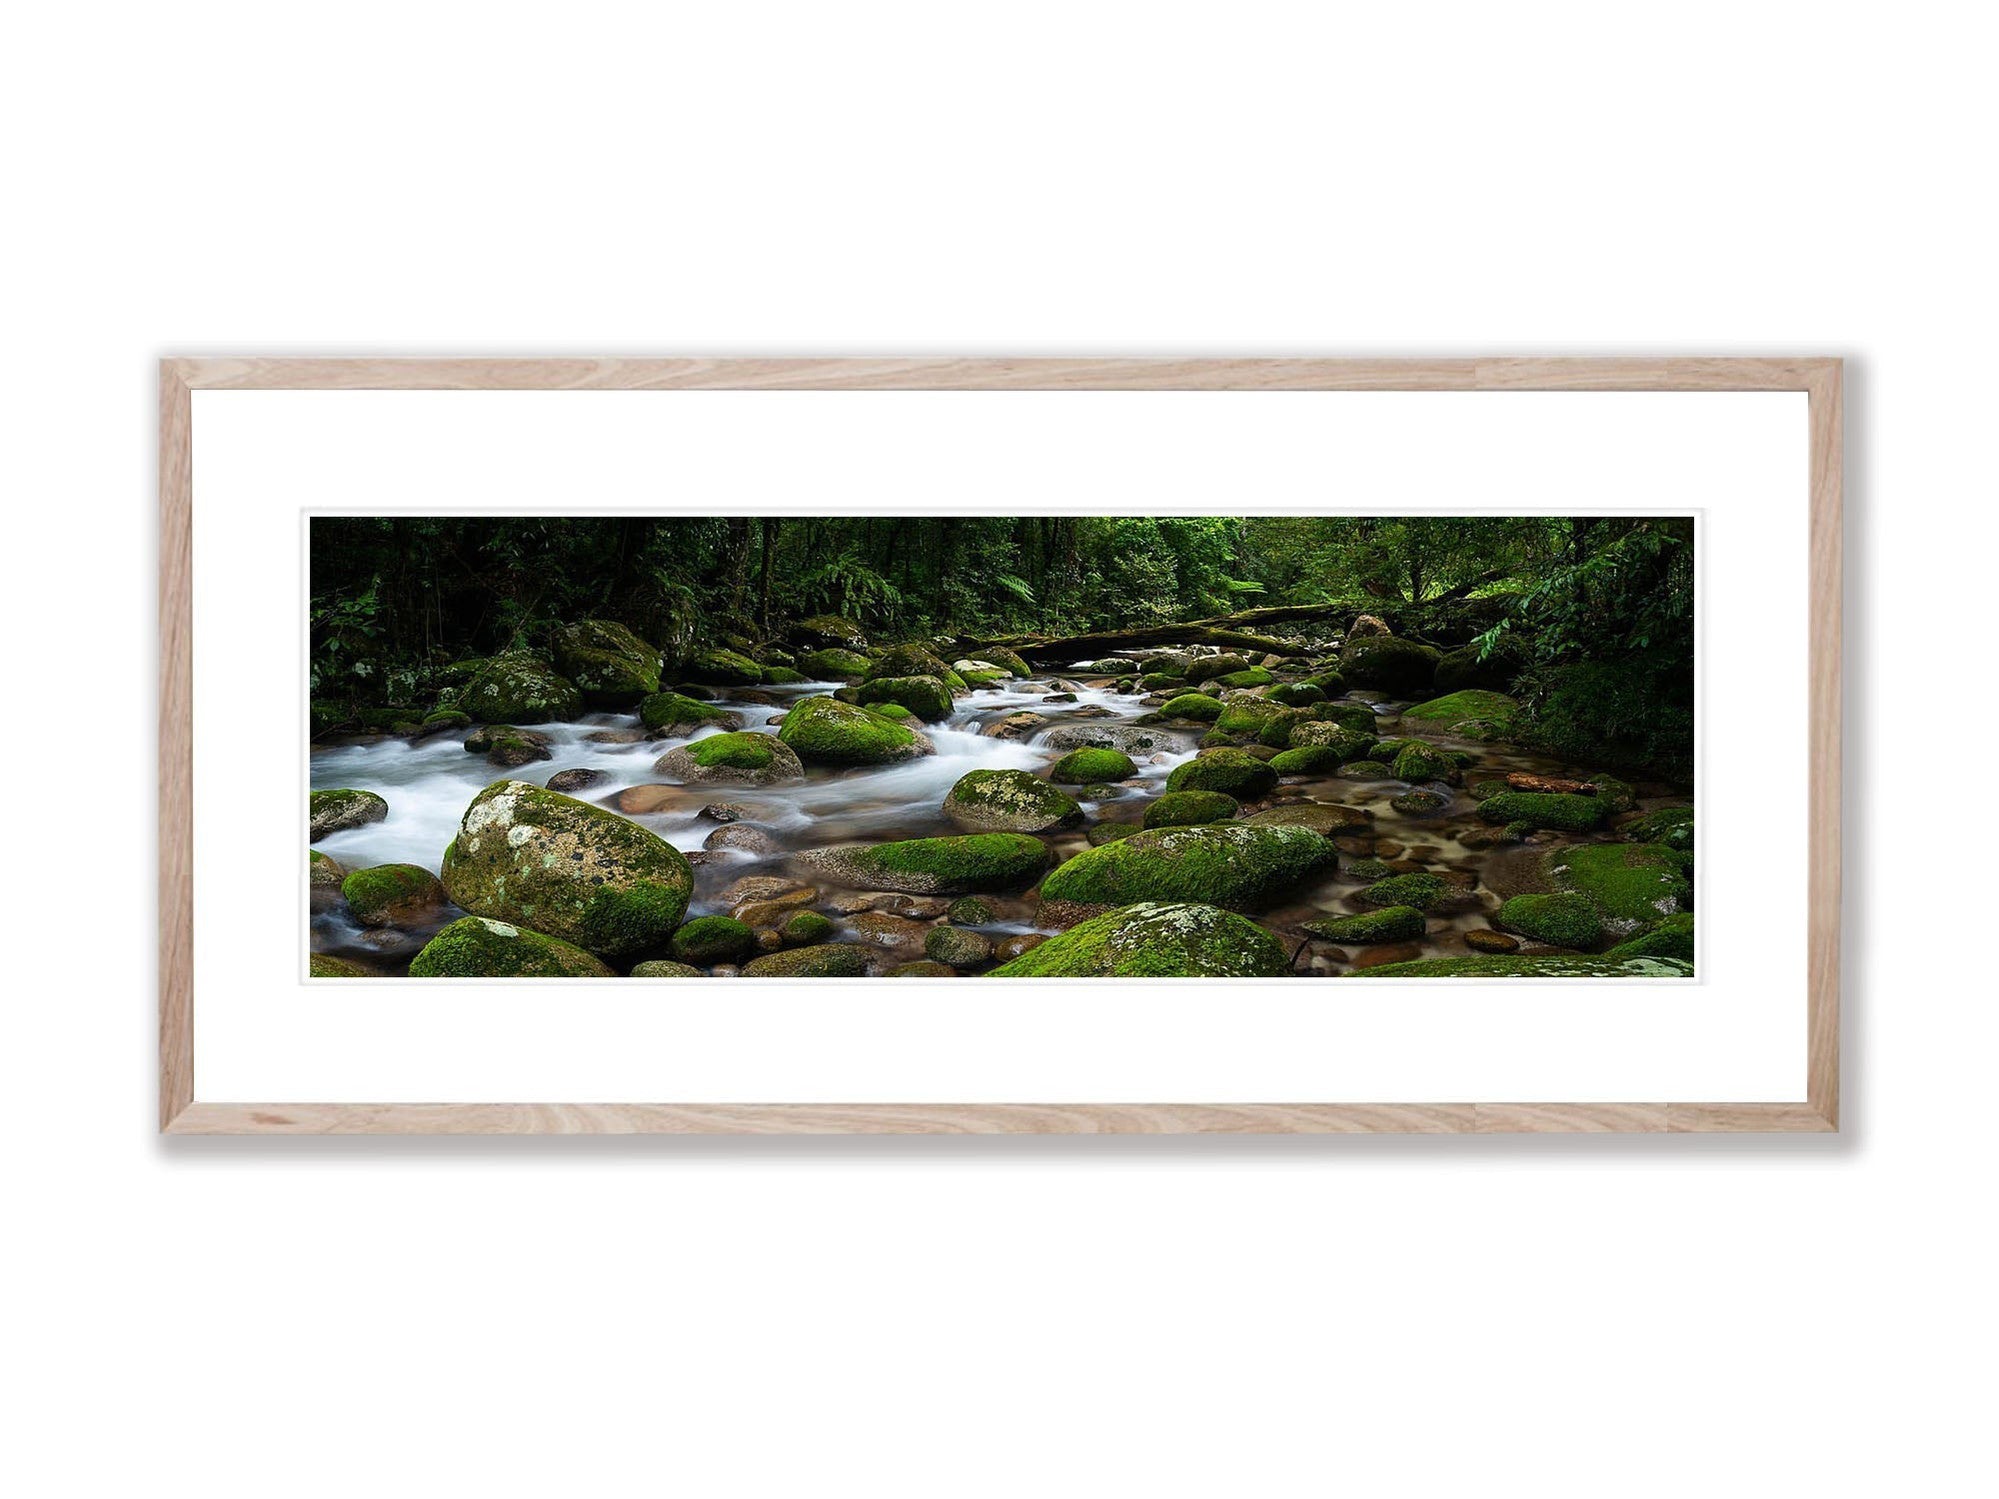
181	1112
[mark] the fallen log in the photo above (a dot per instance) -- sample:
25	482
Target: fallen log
1228	632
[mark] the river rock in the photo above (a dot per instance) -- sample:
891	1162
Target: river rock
1545	966
508	747
481	947
742	759
516	687
824	960
325	966
1232	865
398	895
742	838
335	811
1017	725
926	697
1242	776
1154	940
583	874
1403	667
610	665
322	871
1185	809
1328	819
834	664
933	866
568	782
823	630
823	731
1124	738
1009	801
957	947
708	940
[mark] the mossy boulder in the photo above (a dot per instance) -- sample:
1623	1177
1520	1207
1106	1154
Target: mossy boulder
1307	759
1389	924
1470	713
1205	668
1009	801
509	747
1330	683
1345	743
1081	767
519	688
893	712
665	968
1565	919
670	715
325	966
927	697
1390	663
742	759
578	872
1242	776
1186	809
1633	886
1327	819
1155	940
834	664
1671	938
1547	966
805	928
482	947
1468	666
829	630
1366	770
723	668
1233	865
610	665
910	660
1000	656
322	871
826	732
1671	827
1254	676
961	865
824	960
1296	694
1248	713
1545	809
392	895
708	940
1426	892
1613	793
957	948
1417	761
970	910
336	810
1197	706
1159	681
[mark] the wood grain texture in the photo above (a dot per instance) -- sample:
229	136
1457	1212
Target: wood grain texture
176	766
1819	378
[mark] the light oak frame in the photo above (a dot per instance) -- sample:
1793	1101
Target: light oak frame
182	1113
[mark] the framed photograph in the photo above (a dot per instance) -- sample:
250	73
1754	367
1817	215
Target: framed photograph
996	745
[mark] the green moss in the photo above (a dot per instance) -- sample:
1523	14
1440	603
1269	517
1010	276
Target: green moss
1207	668
1197	706
1549	966
1344	743
1354	716
518	688
1632	885
910	661
1473	713
969	911
445	718
1255	676
826	960
724	669
926	697
1671	938
1151	940
976	679
708	940
1544	809
1307	759
1367	770
833	733
747	751
1390	924
1242	776
1160	681
957	947
579	873
782	676
1419	803
660	968
1370	870
1330	683
1486	789
833	664
1613	793
1109	832
1009	801
1296	694
610	664
1671	826
670	710
974	861
1233	865
893	712
922	968
479	947
1082	766
1180	809
1417	761
1566	919
388	894
1423	891
326	966
1246	713
804	928
338	809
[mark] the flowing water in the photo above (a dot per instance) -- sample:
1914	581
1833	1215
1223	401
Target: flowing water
428	786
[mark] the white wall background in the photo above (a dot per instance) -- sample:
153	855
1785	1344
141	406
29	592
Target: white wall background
1546	1317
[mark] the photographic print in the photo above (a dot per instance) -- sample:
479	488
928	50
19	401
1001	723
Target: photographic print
1041	746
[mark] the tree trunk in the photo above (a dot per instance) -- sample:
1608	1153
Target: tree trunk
1229	632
